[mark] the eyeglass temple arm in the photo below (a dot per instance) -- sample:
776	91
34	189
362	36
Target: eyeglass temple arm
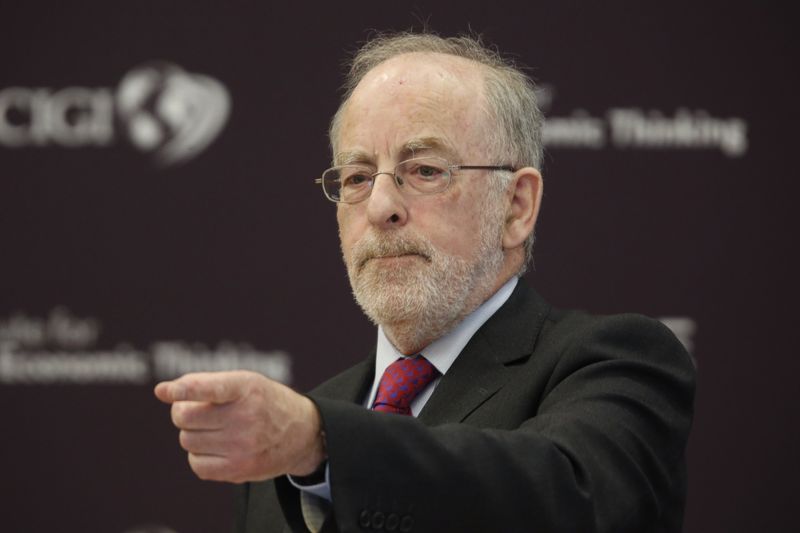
484	167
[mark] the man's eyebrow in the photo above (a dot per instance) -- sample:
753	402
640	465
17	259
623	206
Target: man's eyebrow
409	150
427	144
352	157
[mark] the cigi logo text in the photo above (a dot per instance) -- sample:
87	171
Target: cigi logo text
158	107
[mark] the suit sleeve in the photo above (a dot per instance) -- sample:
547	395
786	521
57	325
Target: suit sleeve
607	409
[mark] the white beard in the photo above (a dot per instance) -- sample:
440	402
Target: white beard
433	291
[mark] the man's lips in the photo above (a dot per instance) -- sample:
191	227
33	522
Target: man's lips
393	256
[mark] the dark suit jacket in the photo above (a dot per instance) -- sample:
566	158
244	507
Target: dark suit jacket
547	421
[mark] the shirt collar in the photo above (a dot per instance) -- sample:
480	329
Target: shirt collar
443	351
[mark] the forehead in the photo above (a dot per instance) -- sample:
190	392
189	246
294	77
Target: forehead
414	101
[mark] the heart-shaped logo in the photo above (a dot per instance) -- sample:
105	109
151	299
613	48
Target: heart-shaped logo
169	112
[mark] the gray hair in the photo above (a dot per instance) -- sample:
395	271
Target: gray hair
510	97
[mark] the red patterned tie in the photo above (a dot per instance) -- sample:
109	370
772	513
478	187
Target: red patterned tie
401	382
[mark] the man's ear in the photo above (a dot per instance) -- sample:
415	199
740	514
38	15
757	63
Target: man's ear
525	194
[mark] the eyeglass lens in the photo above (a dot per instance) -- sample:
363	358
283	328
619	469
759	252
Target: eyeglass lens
353	183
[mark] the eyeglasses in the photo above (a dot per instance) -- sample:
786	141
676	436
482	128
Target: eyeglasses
350	184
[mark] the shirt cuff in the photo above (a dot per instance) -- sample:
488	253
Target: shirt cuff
322	489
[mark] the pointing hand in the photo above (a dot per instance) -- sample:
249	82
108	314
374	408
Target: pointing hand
241	426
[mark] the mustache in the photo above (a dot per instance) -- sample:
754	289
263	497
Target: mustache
373	246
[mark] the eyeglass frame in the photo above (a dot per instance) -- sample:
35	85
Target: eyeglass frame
397	178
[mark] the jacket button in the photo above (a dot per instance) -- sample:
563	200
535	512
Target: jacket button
364	518
378	519
406	524
392	521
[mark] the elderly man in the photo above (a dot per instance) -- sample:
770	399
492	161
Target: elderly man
483	408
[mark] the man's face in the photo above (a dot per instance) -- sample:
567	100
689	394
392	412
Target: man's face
420	261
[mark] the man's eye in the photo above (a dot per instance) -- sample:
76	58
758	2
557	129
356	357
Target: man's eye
355	180
428	172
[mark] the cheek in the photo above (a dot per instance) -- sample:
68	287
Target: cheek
466	241
452	224
348	228
456	242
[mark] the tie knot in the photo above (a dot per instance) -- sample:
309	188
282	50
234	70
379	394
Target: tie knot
401	382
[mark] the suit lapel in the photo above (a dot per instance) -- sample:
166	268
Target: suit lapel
478	372
352	385
482	376
481	368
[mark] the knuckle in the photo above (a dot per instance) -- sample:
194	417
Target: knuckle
190	385
221	389
185	440
202	469
184	413
177	414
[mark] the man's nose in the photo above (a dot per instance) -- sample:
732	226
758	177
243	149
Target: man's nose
386	205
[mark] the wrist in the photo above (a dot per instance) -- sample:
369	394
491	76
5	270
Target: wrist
314	453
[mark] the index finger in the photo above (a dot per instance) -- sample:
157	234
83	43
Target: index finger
214	387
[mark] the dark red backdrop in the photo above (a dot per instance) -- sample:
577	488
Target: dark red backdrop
117	270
